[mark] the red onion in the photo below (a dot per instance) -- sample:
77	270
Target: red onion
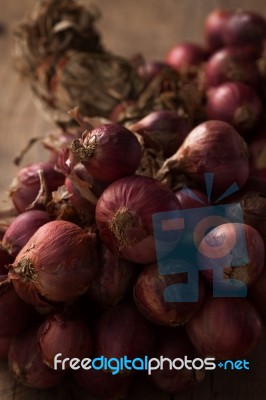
14	314
225	241
109	152
165	130
245	28
70	337
22	229
75	201
104	385
229	65
66	162
4	347
191	198
59	260
34	184
116	277
173	343
185	55
225	328
124	217
26	290
57	139
82	190
214	27
97	186
82	206
121	331
25	362
235	103
211	147
149	297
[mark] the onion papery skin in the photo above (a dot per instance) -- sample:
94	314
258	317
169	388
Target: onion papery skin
115	279
82	206
58	139
15	315
124	217
25	362
122	330
26	186
211	147
109	152
173	343
70	337
225	328
229	65
162	130
214	27
185	55
60	260
97	186
243	262
104	385
149	297
235	103
22	229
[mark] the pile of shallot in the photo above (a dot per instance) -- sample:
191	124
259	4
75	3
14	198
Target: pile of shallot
80	269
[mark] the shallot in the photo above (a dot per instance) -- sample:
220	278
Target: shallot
59	260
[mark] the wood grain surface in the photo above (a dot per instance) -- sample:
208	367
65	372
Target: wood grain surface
150	27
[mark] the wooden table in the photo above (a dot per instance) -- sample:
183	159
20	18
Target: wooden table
150	27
